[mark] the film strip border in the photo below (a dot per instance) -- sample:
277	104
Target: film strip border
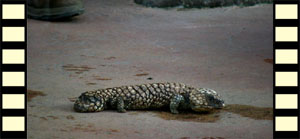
13	69
286	69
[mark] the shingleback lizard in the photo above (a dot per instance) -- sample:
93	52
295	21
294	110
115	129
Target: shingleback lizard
175	96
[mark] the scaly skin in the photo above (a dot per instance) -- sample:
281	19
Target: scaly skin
149	96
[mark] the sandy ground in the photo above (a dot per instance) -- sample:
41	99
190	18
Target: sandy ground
226	49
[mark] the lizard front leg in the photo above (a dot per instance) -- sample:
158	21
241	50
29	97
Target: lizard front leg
174	103
120	105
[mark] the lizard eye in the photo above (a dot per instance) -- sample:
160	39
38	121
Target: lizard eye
210	98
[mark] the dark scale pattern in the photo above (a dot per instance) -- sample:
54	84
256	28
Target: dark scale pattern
156	95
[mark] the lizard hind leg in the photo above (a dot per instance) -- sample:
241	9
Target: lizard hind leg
175	102
120	105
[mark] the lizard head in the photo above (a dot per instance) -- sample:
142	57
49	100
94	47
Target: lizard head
205	99
89	102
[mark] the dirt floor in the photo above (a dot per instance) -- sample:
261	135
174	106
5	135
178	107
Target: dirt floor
116	42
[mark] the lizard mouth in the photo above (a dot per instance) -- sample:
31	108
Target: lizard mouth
80	107
219	105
